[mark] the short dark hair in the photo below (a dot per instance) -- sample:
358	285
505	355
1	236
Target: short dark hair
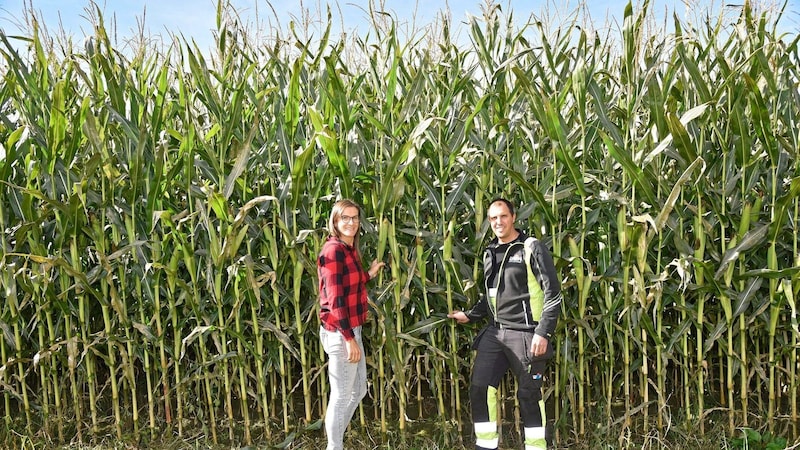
503	200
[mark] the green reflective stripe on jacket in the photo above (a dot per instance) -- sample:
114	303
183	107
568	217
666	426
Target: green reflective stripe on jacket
534	288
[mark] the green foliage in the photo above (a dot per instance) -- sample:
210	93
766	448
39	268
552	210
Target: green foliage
753	440
162	209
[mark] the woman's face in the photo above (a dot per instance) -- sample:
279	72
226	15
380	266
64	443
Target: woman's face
348	224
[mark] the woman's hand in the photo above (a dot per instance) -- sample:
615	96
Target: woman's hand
353	351
374	268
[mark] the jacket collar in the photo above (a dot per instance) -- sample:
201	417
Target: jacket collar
494	243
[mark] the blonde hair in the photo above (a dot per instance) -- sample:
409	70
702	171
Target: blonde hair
336	213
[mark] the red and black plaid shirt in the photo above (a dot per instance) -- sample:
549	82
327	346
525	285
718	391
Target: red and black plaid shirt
342	288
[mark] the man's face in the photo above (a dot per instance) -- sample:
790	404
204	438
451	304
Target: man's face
502	222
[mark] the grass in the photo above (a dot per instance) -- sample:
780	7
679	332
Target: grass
431	438
430	434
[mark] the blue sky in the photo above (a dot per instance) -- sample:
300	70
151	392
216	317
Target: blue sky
196	18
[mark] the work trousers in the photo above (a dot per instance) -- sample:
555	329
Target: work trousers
348	385
499	350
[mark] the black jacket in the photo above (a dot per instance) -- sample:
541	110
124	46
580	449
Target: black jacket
518	302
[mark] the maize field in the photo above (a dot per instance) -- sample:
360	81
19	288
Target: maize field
162	207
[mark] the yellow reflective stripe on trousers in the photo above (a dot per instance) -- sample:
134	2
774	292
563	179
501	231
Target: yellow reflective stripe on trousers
534	436
491	403
534	439
486	435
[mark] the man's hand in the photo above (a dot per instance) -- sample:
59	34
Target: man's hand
353	351
459	316
538	345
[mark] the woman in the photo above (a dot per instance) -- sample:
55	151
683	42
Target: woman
343	309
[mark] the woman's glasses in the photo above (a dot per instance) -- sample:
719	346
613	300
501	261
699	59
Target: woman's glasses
349	219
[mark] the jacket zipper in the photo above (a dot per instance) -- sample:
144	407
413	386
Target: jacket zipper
525	310
499	276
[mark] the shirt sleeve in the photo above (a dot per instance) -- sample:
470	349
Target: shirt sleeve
542	260
332	265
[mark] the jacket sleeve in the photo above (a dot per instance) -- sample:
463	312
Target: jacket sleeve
546	274
479	310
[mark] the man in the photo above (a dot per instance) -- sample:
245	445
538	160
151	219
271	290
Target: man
522	299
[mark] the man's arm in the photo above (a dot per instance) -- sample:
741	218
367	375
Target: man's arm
546	274
478	311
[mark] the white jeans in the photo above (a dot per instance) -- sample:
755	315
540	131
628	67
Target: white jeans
348	384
